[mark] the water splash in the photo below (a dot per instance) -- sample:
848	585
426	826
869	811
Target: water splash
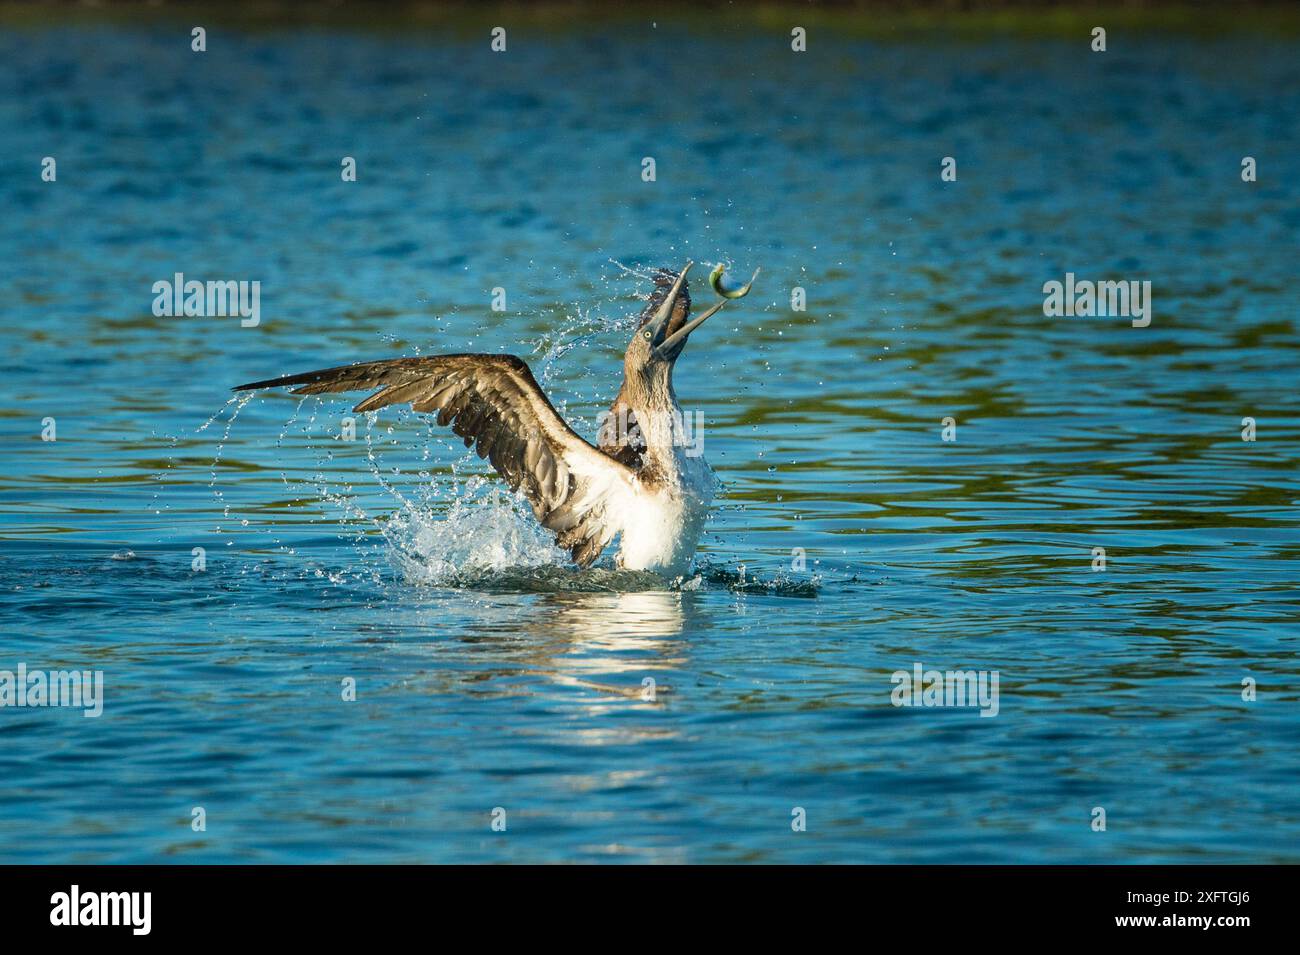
742	580
238	402
482	532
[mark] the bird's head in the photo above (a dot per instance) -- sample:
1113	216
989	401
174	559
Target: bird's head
664	327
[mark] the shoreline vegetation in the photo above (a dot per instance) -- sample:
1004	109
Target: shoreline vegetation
848	18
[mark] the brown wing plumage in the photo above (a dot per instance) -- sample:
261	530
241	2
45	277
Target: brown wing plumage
495	404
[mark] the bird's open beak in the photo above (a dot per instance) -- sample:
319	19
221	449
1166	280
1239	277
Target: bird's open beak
665	348
656	326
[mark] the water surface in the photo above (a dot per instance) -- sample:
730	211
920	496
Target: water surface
523	688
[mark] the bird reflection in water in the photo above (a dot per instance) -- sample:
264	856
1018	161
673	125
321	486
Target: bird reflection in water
606	644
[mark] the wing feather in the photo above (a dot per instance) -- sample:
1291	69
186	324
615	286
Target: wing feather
494	403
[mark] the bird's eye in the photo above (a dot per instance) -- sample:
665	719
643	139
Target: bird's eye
647	334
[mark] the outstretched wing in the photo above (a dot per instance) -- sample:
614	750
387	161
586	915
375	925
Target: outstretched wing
496	405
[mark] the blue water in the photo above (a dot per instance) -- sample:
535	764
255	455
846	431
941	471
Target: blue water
489	674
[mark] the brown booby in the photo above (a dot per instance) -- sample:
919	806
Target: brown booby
640	483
